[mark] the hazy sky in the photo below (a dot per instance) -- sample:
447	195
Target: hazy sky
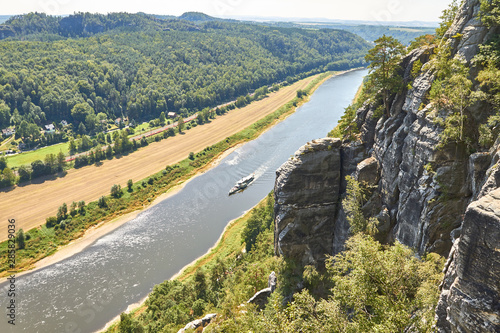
373	10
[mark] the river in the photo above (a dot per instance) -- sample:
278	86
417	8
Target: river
85	291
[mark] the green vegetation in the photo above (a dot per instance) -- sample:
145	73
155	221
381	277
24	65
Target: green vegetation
45	240
356	196
447	18
384	66
451	91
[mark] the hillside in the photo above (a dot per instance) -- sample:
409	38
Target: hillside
137	66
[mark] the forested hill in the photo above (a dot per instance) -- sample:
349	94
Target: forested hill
140	66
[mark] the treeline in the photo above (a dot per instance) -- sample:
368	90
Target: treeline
137	70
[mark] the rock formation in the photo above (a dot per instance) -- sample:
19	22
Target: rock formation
260	298
203	322
307	197
423	196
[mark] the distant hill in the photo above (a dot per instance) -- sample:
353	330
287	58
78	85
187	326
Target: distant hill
368	32
197	17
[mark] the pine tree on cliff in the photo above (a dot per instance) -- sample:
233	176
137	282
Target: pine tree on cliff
384	61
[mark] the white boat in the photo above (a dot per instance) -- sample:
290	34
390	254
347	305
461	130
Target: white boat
242	184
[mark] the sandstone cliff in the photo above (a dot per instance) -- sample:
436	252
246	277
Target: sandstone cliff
424	197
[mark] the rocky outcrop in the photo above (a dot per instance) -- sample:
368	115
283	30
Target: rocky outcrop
195	324
306	196
470	298
260	298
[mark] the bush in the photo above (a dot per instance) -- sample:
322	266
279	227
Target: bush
24	173
51	221
102	202
191	156
20	239
116	191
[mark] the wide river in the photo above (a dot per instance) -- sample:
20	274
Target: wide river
85	291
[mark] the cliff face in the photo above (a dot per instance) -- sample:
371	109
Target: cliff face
307	196
423	197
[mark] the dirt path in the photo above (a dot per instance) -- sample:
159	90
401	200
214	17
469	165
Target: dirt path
30	205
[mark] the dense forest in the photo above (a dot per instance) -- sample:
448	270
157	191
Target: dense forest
86	68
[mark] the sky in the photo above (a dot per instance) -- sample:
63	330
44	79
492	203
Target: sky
370	10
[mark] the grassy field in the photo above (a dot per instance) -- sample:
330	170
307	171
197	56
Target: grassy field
39	154
30	205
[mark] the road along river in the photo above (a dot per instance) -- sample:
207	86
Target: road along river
84	292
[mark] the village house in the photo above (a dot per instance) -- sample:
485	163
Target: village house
49	129
8	131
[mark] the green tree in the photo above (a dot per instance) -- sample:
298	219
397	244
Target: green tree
490	12
352	203
102	202
180	124
51	163
73	208
62	212
24	172
384	67
81	206
82	129
452	91
130	185
21	238
162	118
3	163
447	17
116	191
80	111
384	288
109	151
8	177
61	161
72	146
129	324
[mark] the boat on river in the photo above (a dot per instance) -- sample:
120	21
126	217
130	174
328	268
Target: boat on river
242	184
